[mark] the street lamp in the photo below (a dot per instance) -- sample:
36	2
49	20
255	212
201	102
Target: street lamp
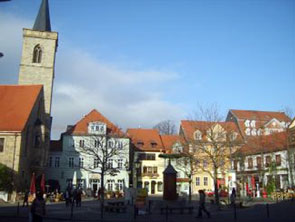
137	167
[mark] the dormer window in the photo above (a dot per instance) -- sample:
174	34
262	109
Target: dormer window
140	143
97	128
233	136
37	54
248	132
254	132
247	123
154	144
253	122
198	135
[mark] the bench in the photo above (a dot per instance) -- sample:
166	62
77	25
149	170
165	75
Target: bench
117	209
180	210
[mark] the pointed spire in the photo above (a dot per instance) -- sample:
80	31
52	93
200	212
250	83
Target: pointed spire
42	22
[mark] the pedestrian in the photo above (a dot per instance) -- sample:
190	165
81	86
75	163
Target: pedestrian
79	197
67	197
26	199
75	196
38	208
202	197
233	197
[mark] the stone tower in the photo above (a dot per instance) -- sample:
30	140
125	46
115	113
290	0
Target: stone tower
38	55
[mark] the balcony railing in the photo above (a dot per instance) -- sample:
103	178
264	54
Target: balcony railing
152	175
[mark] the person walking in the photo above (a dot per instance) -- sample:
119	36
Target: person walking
233	197
79	197
38	208
26	199
202	197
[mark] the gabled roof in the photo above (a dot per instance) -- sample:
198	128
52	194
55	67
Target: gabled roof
169	140
42	22
259	115
17	102
142	139
81	127
264	144
189	127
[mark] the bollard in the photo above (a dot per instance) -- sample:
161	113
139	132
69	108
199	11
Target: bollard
267	210
17	209
134	212
235	212
167	213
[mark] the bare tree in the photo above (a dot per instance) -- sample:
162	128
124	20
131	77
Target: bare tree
166	127
101	151
213	142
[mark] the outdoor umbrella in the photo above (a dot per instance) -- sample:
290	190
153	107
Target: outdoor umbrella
247	188
42	185
253	183
33	184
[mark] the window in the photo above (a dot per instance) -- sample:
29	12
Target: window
119	144
110	163
254	132
82	143
247	123
1	144
205	164
248	132
110	185
120	163
56	162
37	141
197	181
278	160
37	54
146	156
111	144
50	161
235	164
81	162
253	123
205	181
267	161
120	184
250	163
153	144
198	135
95	163
71	162
259	162
160	187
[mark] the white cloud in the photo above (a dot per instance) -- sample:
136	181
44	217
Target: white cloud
129	97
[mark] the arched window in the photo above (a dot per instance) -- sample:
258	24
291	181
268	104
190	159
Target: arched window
37	54
198	135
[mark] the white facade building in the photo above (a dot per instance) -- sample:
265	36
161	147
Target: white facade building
77	159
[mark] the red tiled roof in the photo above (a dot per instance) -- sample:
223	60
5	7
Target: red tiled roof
264	144
146	137
55	146
189	127
169	140
260	115
81	127
17	102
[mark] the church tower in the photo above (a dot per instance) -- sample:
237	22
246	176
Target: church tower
38	55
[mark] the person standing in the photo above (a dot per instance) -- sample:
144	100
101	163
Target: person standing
38	208
202	197
79	197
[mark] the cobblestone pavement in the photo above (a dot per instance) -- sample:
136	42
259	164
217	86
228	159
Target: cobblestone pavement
90	211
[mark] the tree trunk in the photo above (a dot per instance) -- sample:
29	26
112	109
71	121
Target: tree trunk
216	188
190	189
101	193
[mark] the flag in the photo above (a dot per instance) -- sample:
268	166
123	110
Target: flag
33	184
42	185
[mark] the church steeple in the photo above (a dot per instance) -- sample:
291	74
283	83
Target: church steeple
42	22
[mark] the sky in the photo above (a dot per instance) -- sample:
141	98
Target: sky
140	62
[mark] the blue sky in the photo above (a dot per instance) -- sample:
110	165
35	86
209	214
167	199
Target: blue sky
140	62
